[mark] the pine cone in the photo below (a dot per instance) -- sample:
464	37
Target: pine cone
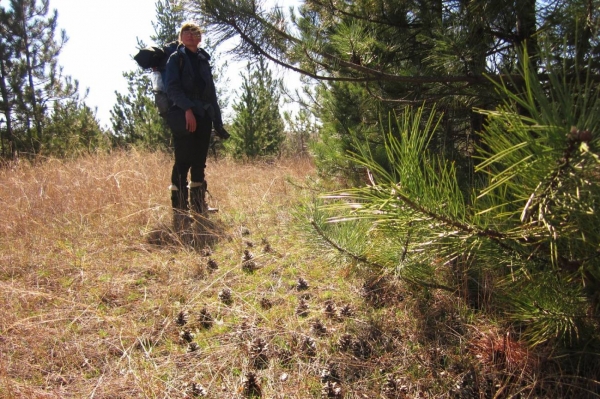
309	347
266	246
344	342
182	318
266	303
331	390
346	311
250	386
225	296
248	264
318	328
302	284
212	264
361	349
330	373
329	309
258	353
205	318
392	388
197	390
247	255
244	330
302	309
186	336
193	347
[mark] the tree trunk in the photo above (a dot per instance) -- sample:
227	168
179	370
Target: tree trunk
526	28
35	140
8	136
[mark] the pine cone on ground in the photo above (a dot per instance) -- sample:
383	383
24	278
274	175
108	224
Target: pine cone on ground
330	309
245	330
225	296
212	264
186	336
266	246
182	318
302	309
346	311
361	349
193	347
248	263
266	303
331	390
344	342
318	328
251	386
302	284
197	390
205	318
330	373
393	389
258	353
309	347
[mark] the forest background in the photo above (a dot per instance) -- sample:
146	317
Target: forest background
457	146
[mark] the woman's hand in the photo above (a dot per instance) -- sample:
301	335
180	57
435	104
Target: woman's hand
190	121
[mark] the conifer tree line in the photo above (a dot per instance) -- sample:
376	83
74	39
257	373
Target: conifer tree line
41	111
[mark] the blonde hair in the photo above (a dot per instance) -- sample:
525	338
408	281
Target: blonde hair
190	26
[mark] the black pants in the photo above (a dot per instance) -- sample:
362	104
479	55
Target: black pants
191	150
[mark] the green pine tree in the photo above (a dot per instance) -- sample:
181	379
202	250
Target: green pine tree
525	238
73	130
31	81
257	128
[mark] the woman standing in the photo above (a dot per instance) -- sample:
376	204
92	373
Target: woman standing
191	89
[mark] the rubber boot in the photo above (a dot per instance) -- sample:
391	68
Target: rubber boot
179	203
198	203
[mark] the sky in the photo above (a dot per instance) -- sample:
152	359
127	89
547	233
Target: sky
102	40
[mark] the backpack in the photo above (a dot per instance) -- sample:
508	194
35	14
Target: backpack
155	58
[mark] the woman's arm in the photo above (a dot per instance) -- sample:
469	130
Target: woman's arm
174	82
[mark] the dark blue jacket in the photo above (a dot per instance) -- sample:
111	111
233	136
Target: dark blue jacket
182	88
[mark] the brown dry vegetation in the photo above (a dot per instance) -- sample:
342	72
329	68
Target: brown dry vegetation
101	300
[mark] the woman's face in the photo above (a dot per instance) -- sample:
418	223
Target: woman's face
190	38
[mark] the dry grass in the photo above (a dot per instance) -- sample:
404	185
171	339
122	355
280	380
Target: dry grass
101	299
89	297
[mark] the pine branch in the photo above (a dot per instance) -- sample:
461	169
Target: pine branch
369	74
368	262
574	138
493	235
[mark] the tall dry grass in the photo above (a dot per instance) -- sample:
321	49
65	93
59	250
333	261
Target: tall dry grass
88	295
